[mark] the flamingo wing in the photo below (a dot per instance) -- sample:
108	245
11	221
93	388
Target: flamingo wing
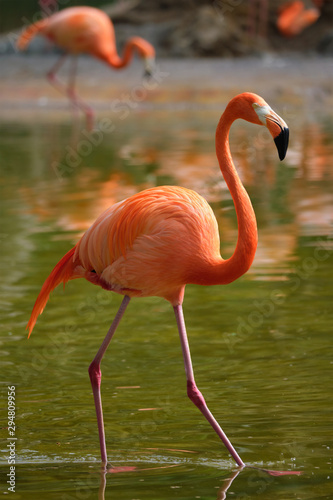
147	244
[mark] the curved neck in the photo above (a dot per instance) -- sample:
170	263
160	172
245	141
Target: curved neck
226	271
247	240
116	61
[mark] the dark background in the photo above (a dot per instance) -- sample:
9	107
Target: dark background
187	28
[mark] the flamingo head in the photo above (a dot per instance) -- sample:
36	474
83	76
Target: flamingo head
150	67
254	109
147	52
275	124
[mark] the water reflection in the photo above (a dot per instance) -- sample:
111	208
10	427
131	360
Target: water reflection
222	492
227	483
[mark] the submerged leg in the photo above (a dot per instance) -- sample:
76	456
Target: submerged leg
69	91
56	67
77	102
96	375
51	75
71	87
193	392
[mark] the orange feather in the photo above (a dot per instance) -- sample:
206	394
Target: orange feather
30	32
63	272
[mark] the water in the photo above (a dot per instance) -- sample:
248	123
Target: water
260	347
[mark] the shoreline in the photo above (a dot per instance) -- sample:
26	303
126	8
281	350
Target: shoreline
199	83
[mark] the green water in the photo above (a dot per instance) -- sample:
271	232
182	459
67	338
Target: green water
261	347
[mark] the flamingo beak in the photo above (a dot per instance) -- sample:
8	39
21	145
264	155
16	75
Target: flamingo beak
276	125
149	67
279	131
281	142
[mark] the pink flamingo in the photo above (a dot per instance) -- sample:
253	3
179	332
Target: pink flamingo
294	17
85	30
159	240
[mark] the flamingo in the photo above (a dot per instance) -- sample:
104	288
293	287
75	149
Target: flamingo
158	240
85	30
294	17
257	18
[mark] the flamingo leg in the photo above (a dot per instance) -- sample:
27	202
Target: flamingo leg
251	28
71	86
193	392
76	100
69	91
51	75
263	18
257	18
96	375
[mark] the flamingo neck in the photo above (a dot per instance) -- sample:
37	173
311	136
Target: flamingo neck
114	60
226	271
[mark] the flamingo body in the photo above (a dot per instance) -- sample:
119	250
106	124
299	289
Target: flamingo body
135	247
159	240
81	30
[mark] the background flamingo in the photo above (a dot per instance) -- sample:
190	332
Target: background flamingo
159	240
85	30
258	18
294	17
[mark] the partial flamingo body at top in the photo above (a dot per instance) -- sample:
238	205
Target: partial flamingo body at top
86	30
294	17
156	242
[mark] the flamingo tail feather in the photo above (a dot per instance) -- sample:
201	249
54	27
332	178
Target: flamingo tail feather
63	272
28	33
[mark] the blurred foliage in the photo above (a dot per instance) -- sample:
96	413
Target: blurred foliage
16	14
193	27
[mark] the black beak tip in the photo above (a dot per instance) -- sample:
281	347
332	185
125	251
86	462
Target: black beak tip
147	74
282	141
